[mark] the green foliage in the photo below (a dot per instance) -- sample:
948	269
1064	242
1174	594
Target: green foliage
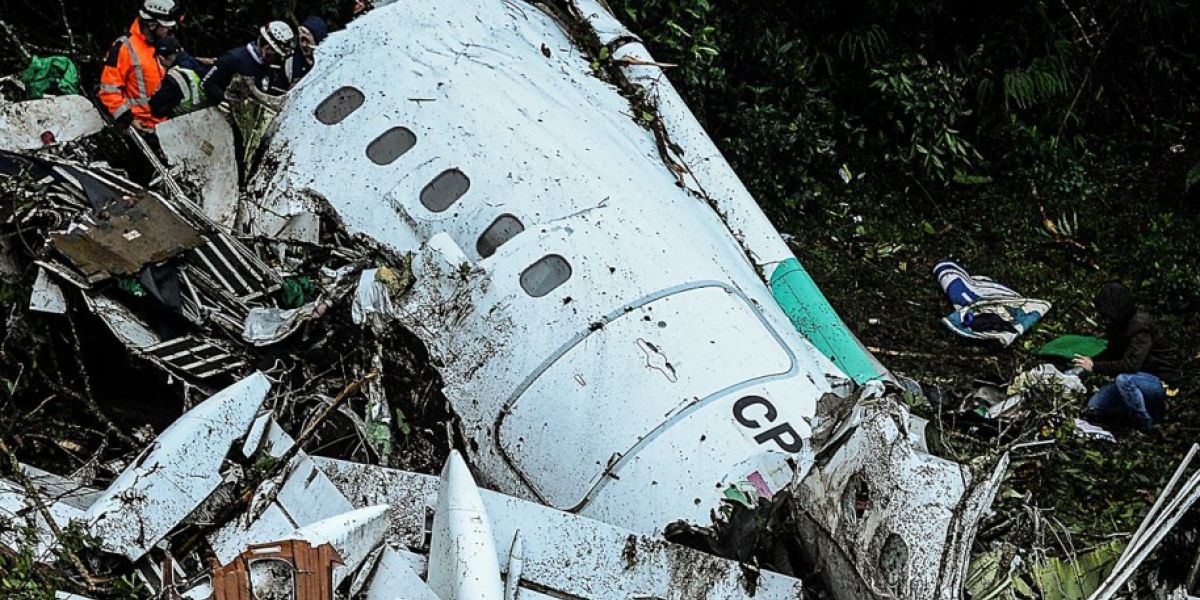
1046	79
1169	251
19	577
924	103
1193	177
865	47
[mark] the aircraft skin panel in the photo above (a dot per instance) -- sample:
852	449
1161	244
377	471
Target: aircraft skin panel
681	472
496	91
557	427
710	173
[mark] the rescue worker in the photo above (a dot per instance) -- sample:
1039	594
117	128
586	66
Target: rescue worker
351	9
180	91
131	74
312	32
255	60
1138	356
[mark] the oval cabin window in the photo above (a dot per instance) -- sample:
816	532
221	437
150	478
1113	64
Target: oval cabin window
504	228
543	276
445	190
339	105
385	149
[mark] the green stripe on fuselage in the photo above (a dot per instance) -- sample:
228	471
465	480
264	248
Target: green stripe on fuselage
798	295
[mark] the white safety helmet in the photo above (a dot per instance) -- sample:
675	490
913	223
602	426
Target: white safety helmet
166	12
278	36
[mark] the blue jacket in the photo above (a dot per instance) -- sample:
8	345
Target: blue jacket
239	61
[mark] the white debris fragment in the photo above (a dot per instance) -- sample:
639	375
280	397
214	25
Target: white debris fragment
266	326
177	472
32	124
200	148
462	555
373	302
47	296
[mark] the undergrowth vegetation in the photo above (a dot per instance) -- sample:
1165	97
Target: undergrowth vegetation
1050	145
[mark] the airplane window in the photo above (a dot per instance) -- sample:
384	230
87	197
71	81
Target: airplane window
501	230
543	276
892	560
339	105
385	149
445	190
856	498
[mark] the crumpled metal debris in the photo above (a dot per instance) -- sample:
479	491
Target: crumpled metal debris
884	519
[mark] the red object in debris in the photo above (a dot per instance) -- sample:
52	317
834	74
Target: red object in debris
48	138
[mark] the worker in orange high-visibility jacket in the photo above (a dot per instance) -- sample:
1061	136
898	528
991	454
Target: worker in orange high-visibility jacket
131	73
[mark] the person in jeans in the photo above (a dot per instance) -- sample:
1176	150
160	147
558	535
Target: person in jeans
1138	356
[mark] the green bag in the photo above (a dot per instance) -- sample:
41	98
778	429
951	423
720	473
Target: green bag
1067	346
55	75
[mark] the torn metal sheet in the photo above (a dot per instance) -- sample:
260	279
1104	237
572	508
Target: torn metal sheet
200	148
129	328
197	356
564	555
885	520
47	296
34	124
60	489
301	227
21	515
302	496
189	354
127	235
176	473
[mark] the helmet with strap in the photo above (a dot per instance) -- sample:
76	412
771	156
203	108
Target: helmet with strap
166	12
278	36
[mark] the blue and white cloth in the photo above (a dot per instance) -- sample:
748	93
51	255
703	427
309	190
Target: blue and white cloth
985	309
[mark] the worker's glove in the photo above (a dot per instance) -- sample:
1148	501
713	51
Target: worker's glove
123	122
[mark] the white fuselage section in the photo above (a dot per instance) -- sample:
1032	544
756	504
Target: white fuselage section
605	341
